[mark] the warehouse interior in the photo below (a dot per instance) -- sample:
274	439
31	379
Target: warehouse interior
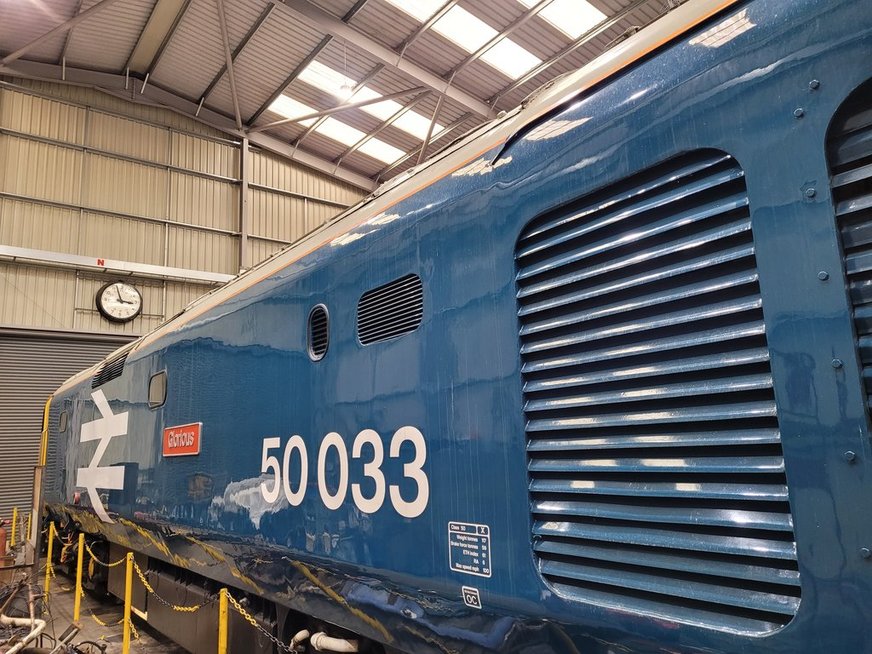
152	151
154	141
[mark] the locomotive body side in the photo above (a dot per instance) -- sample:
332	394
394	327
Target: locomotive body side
385	487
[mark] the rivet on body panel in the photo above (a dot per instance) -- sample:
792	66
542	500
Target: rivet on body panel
849	456
823	275
799	112
837	363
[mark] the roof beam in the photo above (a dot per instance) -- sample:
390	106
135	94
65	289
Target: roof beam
228	61
385	123
588	36
351	13
511	27
427	24
63	56
156	96
65	26
430	128
445	132
239	48
156	35
332	25
338	109
289	79
363	82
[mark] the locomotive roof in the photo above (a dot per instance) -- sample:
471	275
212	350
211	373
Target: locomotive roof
468	148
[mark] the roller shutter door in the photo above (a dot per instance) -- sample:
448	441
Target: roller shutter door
32	366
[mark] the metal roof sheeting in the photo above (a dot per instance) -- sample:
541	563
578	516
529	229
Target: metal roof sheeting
193	59
106	40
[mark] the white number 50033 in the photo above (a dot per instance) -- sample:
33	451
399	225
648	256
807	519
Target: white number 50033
296	446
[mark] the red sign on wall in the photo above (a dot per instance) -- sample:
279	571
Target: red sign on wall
183	440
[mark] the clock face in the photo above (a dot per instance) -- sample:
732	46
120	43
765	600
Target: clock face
119	302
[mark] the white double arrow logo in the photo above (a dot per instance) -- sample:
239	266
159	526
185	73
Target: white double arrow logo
96	476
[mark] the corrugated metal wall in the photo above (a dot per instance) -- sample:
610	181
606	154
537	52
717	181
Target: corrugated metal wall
31	367
90	174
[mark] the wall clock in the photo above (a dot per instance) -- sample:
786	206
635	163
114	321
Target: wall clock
119	301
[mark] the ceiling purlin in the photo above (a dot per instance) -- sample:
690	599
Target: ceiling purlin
589	35
62	59
289	79
61	28
228	61
167	37
385	123
333	25
445	132
239	48
363	82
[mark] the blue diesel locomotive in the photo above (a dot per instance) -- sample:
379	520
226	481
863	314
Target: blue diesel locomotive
593	379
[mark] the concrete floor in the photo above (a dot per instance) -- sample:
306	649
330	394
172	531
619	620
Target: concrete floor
60	616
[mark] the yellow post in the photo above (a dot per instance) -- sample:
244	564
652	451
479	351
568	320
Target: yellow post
77	603
222	621
12	540
128	599
51	528
27	536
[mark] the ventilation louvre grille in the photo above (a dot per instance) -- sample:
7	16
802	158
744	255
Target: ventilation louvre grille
390	310
110	369
319	332
849	150
656	473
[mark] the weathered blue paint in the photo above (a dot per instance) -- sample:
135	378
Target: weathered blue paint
242	369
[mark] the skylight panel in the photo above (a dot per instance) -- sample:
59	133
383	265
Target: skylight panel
415	124
382	110
510	58
287	107
420	9
339	131
378	149
465	29
572	17
328	80
470	33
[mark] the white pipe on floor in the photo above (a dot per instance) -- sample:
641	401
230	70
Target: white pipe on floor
36	626
324	643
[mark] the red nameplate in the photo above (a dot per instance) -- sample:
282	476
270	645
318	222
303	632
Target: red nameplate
183	440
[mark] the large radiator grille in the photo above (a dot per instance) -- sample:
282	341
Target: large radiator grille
849	149
656	473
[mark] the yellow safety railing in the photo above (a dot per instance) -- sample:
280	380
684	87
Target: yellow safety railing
19	530
225	599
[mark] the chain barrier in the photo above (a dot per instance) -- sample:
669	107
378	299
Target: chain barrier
167	603
174	607
115	624
98	561
254	623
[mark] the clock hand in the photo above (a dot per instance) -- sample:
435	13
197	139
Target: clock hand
120	299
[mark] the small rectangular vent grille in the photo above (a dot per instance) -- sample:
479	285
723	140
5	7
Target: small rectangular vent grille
390	310
850	155
656	473
110	369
